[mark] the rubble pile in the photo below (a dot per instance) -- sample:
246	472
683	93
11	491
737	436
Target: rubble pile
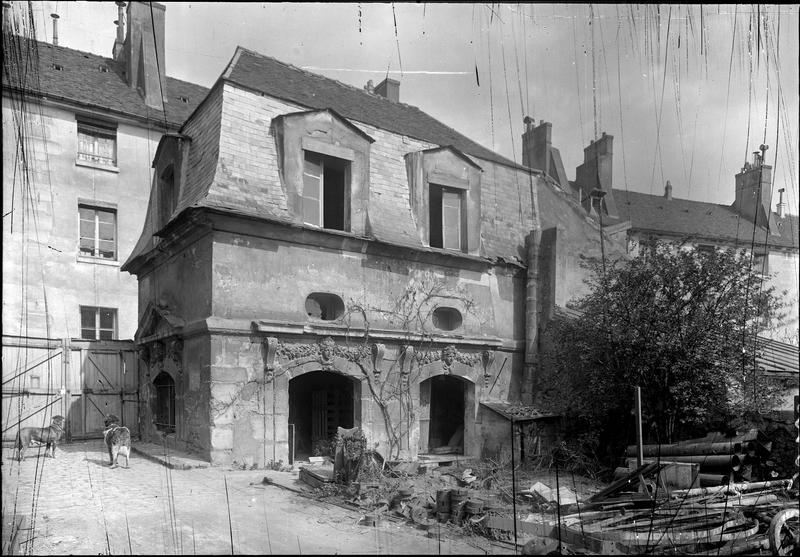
739	518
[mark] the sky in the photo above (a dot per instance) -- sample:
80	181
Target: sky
687	91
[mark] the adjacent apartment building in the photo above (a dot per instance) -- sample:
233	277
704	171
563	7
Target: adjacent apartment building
79	135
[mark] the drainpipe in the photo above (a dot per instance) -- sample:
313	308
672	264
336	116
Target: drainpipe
533	242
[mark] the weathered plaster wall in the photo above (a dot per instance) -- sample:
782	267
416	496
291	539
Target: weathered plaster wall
45	249
785	269
261	278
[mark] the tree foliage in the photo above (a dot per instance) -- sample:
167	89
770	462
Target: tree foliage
681	324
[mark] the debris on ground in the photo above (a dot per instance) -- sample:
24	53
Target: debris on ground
662	507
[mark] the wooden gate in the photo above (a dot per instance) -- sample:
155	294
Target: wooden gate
82	380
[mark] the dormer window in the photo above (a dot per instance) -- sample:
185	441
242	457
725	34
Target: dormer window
446	197
324	165
326	191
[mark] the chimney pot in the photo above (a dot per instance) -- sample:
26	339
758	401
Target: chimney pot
668	191
55	28
781	208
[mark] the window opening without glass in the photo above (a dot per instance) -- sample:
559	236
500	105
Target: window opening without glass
325	191
446	318
97	144
324	306
98	323
445	217
98	230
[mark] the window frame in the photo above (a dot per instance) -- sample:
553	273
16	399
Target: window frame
95	130
98	329
442	192
337	163
96	232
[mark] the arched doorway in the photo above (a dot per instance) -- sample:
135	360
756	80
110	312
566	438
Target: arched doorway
446	397
165	402
319	403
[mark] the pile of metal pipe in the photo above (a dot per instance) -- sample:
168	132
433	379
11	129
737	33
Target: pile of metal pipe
721	460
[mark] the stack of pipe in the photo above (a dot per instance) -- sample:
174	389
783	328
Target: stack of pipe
745	457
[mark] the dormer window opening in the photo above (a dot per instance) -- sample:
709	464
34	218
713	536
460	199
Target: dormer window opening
103	69
58	67
326	191
445	217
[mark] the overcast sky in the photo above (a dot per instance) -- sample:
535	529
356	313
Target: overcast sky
678	86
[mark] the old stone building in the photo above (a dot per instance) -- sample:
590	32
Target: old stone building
79	133
318	255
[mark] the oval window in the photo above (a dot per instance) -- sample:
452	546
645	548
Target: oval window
446	319
324	306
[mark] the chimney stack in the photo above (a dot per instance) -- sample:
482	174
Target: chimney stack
781	208
142	52
668	191
389	89
595	172
55	29
754	191
119	43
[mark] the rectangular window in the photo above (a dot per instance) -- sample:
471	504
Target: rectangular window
761	263
98	323
168	195
98	232
445	217
97	143
325	191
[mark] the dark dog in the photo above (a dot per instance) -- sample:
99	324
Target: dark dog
117	439
50	436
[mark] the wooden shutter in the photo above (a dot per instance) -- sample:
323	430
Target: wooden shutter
312	190
451	219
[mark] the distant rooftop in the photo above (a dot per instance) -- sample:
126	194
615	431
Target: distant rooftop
711	221
87	79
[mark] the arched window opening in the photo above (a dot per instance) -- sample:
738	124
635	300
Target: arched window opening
324	306
165	402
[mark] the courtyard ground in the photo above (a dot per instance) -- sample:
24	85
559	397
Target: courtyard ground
76	504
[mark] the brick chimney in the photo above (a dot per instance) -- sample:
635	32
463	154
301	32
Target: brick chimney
142	51
595	172
536	143
390	89
538	151
668	191
754	190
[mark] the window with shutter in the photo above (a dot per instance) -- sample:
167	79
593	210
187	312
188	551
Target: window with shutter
445	217
325	191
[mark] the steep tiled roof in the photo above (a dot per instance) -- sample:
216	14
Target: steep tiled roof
81	80
278	79
682	217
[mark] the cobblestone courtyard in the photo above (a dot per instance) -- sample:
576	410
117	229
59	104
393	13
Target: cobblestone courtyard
76	504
